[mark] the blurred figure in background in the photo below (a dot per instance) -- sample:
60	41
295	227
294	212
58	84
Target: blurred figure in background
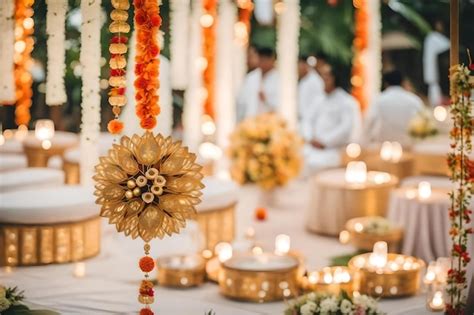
321	62
389	116
252	58
337	123
310	94
259	92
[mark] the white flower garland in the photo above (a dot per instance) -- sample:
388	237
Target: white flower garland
194	98
373	53
225	94
7	29
55	28
179	30
90	62
288	30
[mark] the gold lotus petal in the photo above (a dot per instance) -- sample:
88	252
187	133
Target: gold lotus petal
147	151
150	220
124	158
134	207
183	184
111	192
113	173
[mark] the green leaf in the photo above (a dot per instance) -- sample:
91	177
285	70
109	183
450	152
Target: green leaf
411	15
21	309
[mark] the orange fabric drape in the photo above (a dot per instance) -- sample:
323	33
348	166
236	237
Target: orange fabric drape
361	38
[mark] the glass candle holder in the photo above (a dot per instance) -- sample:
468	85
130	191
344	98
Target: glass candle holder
44	129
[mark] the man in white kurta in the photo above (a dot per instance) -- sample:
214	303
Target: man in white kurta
336	123
259	92
165	119
389	116
310	95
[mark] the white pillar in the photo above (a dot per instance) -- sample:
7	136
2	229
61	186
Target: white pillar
90	61
288	29
179	44
373	53
193	98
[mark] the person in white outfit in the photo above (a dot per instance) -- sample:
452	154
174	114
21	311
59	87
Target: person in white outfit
336	123
389	116
310	94
165	119
259	92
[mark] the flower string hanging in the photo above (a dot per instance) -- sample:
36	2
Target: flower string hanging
149	185
23	46
361	39
118	61
208	23
459	164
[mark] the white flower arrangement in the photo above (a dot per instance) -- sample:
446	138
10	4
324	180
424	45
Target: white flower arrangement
377	225
324	304
55	28
422	125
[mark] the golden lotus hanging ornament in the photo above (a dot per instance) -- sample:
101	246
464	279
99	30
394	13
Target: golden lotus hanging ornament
148	186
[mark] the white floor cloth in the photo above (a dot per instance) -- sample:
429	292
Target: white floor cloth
112	278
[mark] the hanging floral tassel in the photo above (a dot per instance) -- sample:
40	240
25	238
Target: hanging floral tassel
146	293
118	48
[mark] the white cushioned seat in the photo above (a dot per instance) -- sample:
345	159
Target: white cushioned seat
217	194
12	162
60	139
30	178
440	182
48	205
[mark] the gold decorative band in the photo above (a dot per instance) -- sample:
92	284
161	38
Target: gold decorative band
180	278
39	157
258	286
430	164
217	225
27	245
365	241
71	172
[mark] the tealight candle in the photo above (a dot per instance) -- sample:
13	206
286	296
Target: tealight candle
327	276
378	258
79	270
44	129
437	302
424	190
344	237
430	275
397	152
223	251
356	172
440	113
386	151
313	277
282	244
210	151
353	150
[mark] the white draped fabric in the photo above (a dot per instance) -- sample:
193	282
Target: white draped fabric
165	119
389	116
288	30
249	103
90	62
435	43
179	31
194	98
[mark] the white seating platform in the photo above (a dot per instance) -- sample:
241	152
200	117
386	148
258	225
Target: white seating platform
30	178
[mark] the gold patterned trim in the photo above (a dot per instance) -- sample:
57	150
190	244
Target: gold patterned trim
41	244
39	157
180	278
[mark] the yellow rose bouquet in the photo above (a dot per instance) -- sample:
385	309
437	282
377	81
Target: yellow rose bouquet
265	152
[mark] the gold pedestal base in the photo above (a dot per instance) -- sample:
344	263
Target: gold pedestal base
72	173
180	278
389	284
401	169
430	164
365	241
217	225
29	244
39	157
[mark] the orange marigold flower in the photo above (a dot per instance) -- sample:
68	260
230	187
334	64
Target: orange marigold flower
146	311
115	126
146	264
148	122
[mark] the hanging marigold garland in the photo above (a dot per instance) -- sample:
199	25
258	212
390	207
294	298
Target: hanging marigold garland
243	24
118	61
360	43
23	47
208	23
459	164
